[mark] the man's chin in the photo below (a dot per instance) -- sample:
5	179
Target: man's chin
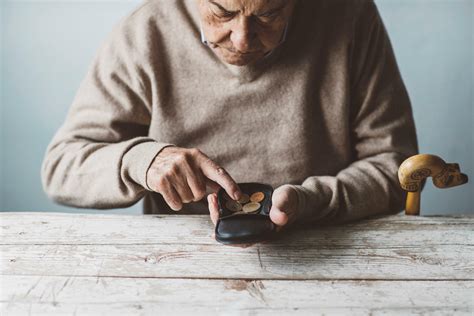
239	60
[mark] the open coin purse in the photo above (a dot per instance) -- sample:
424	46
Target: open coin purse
246	220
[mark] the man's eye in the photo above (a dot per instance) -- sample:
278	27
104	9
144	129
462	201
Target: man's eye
267	17
224	14
227	13
268	14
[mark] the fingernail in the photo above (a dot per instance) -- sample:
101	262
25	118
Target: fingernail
237	195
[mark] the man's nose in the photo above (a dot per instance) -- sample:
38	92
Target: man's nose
243	34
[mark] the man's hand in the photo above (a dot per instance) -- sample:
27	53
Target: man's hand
181	176
284	209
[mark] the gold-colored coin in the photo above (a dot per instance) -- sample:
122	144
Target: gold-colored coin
257	197
244	198
233	206
251	207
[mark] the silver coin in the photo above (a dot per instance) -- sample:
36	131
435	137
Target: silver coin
251	207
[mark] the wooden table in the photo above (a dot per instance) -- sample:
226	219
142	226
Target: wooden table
120	264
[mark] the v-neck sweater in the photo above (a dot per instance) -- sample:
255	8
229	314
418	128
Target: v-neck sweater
327	113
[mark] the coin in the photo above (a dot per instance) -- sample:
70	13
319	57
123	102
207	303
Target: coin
257	197
233	206
251	207
227	197
244	198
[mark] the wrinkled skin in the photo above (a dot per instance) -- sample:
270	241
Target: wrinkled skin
182	175
241	32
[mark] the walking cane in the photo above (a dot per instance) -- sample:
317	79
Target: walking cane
417	168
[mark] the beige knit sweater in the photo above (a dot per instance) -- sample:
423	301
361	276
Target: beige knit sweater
327	112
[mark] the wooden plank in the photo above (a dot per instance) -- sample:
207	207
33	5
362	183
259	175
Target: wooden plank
395	247
84	295
262	261
100	229
151	308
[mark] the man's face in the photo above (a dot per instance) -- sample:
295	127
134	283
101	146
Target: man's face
241	32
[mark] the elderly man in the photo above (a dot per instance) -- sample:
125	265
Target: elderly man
186	97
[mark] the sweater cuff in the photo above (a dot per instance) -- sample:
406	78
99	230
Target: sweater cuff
138	159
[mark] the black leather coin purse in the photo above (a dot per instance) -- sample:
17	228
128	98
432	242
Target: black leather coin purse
246	220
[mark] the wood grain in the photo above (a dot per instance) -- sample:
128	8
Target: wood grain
85	295
435	262
173	246
101	229
117	264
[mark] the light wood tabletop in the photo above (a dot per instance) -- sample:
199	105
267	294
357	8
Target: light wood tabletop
53	263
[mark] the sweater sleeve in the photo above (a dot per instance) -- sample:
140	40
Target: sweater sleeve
383	135
100	155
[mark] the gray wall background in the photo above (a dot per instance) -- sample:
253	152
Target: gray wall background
46	47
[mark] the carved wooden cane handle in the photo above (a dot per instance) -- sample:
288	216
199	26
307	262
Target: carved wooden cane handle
417	168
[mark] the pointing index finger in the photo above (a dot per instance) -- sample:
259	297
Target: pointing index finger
218	174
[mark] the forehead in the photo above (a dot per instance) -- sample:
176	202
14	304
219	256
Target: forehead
249	6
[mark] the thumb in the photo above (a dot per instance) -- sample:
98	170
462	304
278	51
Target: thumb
277	216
